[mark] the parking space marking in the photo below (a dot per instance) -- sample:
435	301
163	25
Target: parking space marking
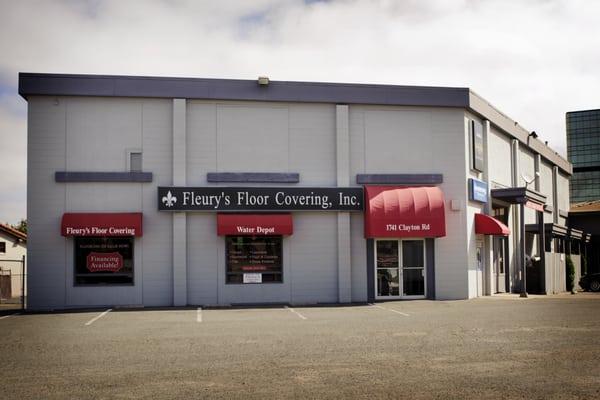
91	321
9	315
199	315
389	309
296	312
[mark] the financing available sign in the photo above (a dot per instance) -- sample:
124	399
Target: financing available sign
102	262
177	198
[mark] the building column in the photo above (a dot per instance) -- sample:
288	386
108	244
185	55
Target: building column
343	218
555	207
488	245
179	218
516	227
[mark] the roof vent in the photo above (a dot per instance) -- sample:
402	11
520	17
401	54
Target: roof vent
263	80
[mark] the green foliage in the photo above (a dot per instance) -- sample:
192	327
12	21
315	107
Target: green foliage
21	226
570	274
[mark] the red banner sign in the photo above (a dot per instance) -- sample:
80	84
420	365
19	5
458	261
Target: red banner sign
100	262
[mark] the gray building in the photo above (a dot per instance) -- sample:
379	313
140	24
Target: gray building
175	191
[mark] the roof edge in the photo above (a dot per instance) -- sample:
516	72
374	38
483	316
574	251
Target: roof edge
239	89
486	110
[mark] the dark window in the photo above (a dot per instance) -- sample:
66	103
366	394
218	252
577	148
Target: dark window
2	247
254	259
104	260
135	162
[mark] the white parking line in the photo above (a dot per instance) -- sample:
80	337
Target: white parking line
389	309
91	321
9	315
296	312
199	314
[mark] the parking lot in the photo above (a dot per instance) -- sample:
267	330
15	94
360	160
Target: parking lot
500	347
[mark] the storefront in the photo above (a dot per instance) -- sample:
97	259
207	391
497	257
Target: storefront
285	193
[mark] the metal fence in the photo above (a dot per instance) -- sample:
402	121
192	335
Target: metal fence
13	284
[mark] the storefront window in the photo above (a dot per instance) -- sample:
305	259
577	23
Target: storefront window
254	259
104	260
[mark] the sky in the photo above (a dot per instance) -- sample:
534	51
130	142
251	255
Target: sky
534	60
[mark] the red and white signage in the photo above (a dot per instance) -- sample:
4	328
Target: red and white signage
101	224
404	212
254	224
102	262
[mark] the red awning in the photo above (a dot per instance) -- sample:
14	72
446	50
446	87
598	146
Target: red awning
254	224
486	225
404	212
101	224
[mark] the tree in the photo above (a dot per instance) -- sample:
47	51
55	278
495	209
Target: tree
21	226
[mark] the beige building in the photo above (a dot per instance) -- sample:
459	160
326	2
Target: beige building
13	249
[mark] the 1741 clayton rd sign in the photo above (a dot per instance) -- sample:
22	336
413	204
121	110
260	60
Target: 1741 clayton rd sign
176	198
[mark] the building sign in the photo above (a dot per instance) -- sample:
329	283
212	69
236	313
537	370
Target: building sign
252	278
478	190
172	198
477	145
96	262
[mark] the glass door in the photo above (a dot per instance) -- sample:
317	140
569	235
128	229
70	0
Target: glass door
400	268
387	265
413	268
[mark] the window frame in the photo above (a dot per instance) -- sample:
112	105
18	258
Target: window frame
103	284
281	258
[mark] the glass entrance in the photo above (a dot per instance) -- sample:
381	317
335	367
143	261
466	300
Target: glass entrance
400	268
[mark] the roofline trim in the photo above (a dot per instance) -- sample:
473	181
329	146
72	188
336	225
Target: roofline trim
32	84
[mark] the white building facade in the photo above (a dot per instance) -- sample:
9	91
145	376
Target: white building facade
175	191
13	270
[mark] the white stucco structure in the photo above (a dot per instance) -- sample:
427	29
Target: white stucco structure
326	134
13	251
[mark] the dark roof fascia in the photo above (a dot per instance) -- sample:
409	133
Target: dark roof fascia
517	195
32	84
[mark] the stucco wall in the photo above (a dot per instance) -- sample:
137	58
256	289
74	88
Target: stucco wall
15	250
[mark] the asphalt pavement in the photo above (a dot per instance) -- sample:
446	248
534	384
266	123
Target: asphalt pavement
488	348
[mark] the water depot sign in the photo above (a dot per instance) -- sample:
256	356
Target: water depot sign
177	198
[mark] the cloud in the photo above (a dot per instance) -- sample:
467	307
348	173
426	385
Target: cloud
533	60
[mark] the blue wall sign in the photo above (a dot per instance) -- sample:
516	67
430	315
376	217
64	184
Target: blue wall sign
478	190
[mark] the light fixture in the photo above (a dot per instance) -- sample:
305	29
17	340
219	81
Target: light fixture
529	180
263	80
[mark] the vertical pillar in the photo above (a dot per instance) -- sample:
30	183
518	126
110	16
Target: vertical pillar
343	218
542	250
179	218
516	272
488	256
522	252
555	207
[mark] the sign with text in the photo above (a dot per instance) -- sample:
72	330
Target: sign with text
111	262
252	278
177	198
478	190
477	146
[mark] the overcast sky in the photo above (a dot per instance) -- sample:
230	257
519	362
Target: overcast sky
534	60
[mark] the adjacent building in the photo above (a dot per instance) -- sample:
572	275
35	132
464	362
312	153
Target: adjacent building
182	191
13	249
583	149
